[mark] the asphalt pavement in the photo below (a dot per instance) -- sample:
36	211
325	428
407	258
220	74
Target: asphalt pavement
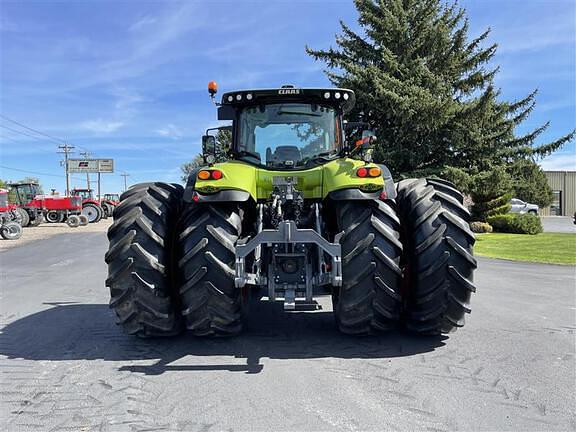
65	366
558	224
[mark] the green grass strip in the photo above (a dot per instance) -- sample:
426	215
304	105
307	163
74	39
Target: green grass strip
550	248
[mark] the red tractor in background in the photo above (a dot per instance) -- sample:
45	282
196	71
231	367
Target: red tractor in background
111	198
22	195
10	218
62	209
34	207
93	209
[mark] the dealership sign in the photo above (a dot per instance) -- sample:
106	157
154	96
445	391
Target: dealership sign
91	165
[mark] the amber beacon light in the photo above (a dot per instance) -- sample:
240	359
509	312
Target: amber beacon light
212	88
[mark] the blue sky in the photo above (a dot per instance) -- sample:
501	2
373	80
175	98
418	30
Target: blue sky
127	80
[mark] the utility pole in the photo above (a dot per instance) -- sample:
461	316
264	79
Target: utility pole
125	185
86	155
66	149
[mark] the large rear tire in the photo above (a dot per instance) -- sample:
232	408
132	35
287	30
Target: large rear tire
107	210
211	304
25	217
140	260
439	263
93	212
369	298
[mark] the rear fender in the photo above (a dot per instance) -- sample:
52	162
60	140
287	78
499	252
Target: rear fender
191	194
354	193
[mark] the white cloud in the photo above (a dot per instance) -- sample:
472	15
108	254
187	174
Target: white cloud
150	49
142	22
126	103
170	131
560	162
101	126
550	32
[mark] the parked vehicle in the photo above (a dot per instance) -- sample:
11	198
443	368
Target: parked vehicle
35	207
519	206
91	207
292	209
23	196
60	208
10	218
114	198
109	202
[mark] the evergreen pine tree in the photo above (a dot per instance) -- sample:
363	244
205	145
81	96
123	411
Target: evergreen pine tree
529	183
428	91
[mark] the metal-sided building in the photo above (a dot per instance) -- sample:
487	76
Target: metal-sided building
563	184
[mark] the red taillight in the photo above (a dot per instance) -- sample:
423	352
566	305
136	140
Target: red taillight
369	172
210	175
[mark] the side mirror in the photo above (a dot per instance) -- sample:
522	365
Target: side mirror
368	138
209	148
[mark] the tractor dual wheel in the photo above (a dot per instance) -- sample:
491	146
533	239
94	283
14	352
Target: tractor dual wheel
369	298
93	212
211	304
140	258
73	221
107	210
439	264
54	216
83	220
25	217
11	231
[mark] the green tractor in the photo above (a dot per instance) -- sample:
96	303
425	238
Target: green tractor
286	211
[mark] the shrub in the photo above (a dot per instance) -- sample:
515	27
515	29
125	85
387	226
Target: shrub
480	227
516	223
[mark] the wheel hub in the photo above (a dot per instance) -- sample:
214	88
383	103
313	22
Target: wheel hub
90	213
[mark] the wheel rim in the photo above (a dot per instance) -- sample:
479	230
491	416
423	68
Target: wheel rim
53	217
11	231
90	212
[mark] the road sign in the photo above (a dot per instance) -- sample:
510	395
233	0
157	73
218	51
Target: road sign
83	165
106	165
91	165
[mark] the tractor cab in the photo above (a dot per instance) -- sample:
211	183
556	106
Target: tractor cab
23	193
114	197
85	194
286	128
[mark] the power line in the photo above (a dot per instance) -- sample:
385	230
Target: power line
4	137
57	140
22	132
52	138
36	172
